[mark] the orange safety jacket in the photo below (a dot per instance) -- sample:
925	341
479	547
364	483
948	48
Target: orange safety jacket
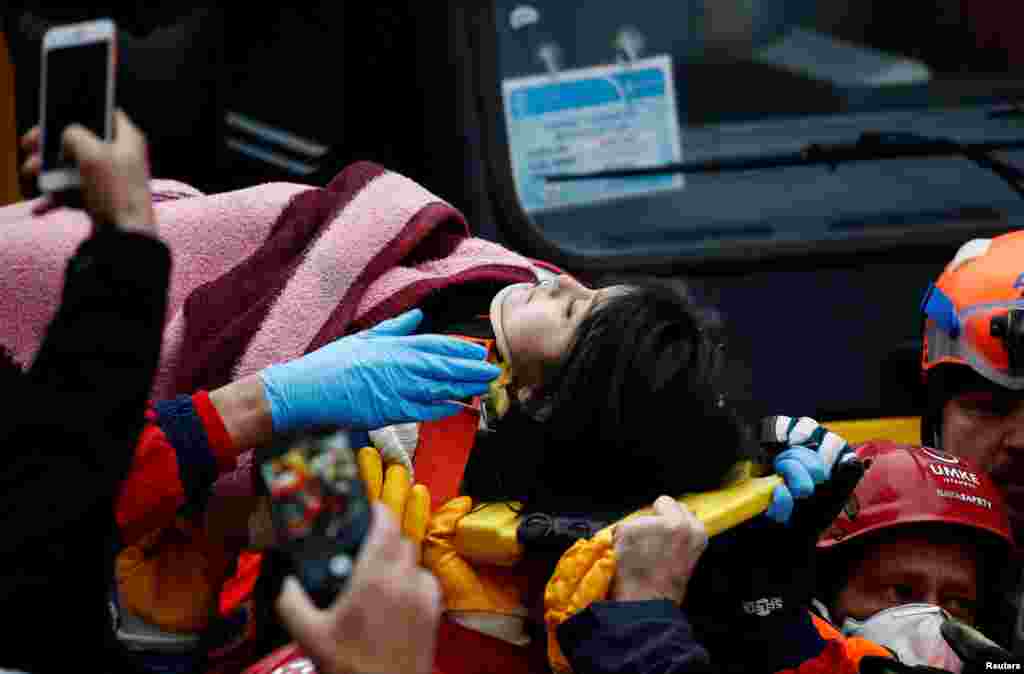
840	654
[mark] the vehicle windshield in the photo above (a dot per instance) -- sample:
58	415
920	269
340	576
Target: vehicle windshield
748	60
595	85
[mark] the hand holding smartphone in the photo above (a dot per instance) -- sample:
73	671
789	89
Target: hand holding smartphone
84	152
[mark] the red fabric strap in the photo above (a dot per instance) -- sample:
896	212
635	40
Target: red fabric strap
444	446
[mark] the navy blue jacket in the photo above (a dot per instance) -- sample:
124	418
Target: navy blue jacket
632	637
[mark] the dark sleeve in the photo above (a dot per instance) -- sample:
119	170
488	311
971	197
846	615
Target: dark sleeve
634	637
197	465
73	425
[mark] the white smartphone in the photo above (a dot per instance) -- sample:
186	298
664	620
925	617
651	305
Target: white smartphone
78	66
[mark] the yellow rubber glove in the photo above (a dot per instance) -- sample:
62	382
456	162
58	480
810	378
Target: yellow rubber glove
395	489
371	469
417	516
410	504
481	597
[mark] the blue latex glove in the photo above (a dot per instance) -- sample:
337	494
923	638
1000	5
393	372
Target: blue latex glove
801	468
813	450
381	376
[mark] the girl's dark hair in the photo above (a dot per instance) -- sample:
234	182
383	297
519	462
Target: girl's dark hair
639	407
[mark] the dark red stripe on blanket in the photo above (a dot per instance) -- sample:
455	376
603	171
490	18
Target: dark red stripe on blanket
432	233
222	316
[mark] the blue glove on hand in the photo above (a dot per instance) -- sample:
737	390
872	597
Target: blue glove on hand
801	468
381	376
813	450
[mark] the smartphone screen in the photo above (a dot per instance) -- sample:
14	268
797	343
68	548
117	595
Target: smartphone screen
76	93
320	510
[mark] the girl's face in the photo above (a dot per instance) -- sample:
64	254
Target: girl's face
534	323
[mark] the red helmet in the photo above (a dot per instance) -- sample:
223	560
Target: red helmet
905	484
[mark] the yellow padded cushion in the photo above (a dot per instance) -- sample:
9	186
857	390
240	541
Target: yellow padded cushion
464	586
489	534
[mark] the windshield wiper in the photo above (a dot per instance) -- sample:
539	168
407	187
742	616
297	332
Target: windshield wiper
869	146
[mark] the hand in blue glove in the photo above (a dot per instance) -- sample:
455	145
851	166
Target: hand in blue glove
801	468
385	375
813	451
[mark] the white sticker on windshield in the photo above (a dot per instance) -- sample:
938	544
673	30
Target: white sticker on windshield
592	119
522	16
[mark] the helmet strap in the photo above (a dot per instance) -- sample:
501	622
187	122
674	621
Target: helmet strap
1009	327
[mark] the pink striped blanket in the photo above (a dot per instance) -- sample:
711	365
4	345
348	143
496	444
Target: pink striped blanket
264	274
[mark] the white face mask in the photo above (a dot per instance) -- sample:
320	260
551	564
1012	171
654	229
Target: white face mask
912	631
497	305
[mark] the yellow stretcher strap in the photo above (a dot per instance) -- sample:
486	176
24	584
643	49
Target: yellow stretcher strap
906	430
465	543
489	534
584	574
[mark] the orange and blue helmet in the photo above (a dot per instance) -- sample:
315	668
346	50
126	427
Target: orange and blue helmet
974	312
974	321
